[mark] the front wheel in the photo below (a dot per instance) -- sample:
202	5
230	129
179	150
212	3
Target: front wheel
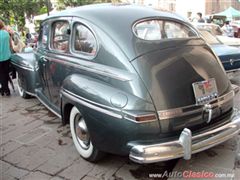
21	91
81	137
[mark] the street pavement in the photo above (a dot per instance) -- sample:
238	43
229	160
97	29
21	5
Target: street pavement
35	146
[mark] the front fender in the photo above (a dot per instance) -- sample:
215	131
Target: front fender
25	61
27	68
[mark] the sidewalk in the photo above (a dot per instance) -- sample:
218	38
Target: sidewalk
35	146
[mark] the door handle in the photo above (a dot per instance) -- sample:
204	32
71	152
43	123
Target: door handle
43	59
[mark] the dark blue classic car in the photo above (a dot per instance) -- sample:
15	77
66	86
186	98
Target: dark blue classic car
229	56
130	81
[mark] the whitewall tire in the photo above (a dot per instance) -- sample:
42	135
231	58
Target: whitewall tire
81	137
21	91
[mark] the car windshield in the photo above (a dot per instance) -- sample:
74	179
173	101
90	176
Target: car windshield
162	29
211	39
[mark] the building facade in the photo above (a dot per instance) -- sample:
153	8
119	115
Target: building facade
216	6
190	7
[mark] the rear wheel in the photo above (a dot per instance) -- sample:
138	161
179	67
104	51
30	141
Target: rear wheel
21	91
81	137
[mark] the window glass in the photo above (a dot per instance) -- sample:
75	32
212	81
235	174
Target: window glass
159	29
44	36
61	32
84	40
149	30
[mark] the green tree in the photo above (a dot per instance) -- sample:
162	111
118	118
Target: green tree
14	11
62	4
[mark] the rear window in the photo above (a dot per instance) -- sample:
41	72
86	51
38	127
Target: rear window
162	29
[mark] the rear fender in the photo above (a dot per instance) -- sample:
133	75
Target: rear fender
104	108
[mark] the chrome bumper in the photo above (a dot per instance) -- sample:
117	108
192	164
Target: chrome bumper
187	144
233	73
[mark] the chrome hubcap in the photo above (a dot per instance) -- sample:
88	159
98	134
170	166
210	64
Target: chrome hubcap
82	132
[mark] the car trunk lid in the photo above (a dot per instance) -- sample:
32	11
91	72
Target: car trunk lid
169	75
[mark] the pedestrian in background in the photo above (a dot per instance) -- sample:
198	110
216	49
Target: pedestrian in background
5	54
228	29
200	19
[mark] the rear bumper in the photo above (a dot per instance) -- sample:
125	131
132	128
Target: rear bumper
187	144
233	73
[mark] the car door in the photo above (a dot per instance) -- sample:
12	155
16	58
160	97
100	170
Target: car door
56	59
41	52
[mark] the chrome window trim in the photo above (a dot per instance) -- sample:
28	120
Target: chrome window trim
82	54
169	20
51	29
187	110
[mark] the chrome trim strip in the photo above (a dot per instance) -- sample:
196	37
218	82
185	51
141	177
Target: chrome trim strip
31	94
89	101
231	61
126	115
186	145
234	70
236	89
23	67
101	70
187	110
91	105
48	107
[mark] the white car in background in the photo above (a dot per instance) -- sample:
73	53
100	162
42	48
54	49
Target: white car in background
215	30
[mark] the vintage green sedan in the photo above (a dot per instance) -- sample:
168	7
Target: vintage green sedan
131	81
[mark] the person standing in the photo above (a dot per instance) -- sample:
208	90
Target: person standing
200	18
5	54
228	29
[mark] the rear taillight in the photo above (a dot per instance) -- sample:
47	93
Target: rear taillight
141	118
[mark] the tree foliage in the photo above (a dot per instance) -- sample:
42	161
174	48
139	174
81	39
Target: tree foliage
14	11
62	4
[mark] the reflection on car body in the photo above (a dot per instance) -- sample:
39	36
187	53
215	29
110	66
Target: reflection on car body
129	91
218	33
229	56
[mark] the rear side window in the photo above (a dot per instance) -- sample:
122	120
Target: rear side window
84	41
162	29
60	36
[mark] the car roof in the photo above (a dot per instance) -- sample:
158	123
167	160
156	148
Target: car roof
102	11
117	20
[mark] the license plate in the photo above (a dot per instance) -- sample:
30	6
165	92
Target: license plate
205	91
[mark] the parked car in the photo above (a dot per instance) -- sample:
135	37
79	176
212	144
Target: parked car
130	81
218	33
229	56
